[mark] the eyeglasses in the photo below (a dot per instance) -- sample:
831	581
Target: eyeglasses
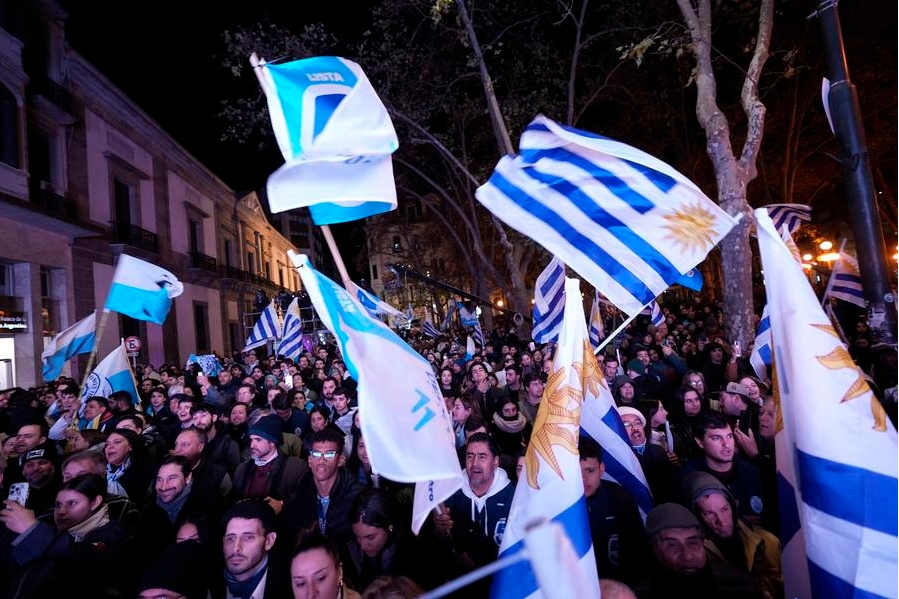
328	455
628	425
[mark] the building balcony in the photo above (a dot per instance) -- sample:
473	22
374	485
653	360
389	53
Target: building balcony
233	273
203	262
128	234
53	203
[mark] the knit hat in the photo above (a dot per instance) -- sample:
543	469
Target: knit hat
669	515
620	381
698	484
269	428
636	365
622	410
181	569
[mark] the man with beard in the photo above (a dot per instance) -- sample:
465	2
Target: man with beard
269	474
211	481
251	569
227	387
220	448
40	469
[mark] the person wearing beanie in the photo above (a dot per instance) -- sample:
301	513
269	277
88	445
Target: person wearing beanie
40	469
682	567
269	473
657	467
750	549
178	571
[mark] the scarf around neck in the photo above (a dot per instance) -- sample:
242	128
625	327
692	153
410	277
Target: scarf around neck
514	425
93	522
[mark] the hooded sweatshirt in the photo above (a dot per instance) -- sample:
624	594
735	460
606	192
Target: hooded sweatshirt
488	513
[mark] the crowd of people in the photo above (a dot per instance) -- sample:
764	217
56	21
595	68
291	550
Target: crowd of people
254	481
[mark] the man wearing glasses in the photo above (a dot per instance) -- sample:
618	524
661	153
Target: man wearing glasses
325	495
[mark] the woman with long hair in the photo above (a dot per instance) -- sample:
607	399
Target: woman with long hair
463	407
316	569
685	408
127	464
658	429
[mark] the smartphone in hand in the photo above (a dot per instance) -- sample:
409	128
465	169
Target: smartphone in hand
18	492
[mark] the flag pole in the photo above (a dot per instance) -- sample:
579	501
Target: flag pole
830	277
614	333
475	575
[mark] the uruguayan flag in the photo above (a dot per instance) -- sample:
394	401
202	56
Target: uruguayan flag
408	433
112	374
371	303
790	215
597	330
844	446
551	486
691	280
549	302
479	334
628	223
760	358
430	330
77	339
656	316
336	138
267	327
291	344
142	290
846	281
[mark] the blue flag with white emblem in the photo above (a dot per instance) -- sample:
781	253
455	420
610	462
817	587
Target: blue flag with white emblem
408	432
627	222
336	138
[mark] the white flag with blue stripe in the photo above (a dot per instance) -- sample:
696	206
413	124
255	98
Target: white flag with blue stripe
112	374
549	302
846	281
478	334
142	290
597	329
371	302
844	446
430	330
656	316
267	327
791	216
291	344
551	487
627	222
77	339
408	433
760	358
336	137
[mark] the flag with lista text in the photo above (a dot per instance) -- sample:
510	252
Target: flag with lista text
549	302
112	374
267	327
291	344
627	222
551	486
846	281
77	339
408	433
142	290
838	476
336	137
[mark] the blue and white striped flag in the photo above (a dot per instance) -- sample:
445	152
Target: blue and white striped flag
549	302
627	222
845	449
336	137
291	344
846	281
77	339
371	302
267	327
142	290
656	316
479	334
760	358
597	331
451	307
408	433
551	487
790	215
430	330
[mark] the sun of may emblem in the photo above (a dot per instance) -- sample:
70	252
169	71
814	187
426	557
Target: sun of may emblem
558	421
838	359
690	227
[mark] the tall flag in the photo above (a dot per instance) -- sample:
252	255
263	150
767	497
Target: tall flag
408	433
656	316
790	215
597	330
77	339
112	374
627	222
142	290
336	138
552	488
267	327
760	358
371	302
291	344
549	302
430	330
452	306
846	281
844	446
